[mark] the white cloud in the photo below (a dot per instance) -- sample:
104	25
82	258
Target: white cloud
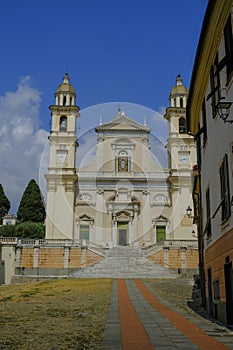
21	139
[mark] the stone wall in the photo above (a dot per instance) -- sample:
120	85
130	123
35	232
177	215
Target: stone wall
49	261
182	258
54	258
43	258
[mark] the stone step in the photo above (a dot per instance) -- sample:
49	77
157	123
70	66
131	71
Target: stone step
124	262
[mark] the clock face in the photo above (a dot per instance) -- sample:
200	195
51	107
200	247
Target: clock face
61	157
183	158
123	164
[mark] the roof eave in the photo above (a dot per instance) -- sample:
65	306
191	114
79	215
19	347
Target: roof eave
214	20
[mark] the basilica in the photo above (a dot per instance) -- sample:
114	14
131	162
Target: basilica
124	196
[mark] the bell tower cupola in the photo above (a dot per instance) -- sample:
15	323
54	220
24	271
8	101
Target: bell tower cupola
179	94
65	95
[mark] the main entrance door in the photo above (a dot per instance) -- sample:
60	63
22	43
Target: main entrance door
122	233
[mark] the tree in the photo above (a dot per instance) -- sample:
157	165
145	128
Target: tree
7	230
4	204
30	230
31	207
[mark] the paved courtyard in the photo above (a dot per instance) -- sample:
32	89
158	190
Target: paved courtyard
139	318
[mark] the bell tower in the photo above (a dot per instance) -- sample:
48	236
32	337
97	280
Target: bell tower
61	177
181	156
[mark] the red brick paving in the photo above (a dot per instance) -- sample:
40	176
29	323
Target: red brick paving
133	334
193	332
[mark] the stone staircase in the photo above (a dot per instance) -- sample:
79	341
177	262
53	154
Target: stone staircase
124	262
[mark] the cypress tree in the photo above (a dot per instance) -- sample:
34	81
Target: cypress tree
31	207
4	204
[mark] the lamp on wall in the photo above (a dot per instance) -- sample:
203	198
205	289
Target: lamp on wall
189	212
190	216
223	110
194	234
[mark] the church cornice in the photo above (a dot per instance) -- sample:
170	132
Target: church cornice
176	110
125	131
122	119
64	109
56	136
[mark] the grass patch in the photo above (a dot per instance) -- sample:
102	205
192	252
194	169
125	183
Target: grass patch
54	315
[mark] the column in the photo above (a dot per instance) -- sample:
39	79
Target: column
114	232
18	257
36	258
183	257
166	256
154	234
78	231
66	257
131	232
84	257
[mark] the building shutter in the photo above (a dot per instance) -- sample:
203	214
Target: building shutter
225	190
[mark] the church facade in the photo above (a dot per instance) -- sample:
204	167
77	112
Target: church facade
124	196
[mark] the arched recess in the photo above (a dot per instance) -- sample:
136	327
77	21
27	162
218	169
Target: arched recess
181	102
182	125
63	123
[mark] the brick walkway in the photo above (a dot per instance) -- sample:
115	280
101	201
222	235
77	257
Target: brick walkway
138	320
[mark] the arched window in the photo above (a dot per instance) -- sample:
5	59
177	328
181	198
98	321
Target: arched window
181	102
64	101
63	123
182	126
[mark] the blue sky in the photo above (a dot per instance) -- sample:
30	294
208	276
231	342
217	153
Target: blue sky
127	51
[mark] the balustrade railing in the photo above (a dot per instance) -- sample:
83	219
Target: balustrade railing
8	240
148	250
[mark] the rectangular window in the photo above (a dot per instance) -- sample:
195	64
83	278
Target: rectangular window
62	146
208	217
204	124
228	38
215	86
216	290
183	148
84	232
160	233
123	164
225	189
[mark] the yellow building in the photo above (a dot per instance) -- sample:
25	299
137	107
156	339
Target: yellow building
209	119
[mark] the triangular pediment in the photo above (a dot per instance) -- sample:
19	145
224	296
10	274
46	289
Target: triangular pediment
85	218
122	122
160	218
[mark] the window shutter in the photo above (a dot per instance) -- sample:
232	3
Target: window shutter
215	86
225	190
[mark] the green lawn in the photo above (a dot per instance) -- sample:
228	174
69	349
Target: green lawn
54	315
